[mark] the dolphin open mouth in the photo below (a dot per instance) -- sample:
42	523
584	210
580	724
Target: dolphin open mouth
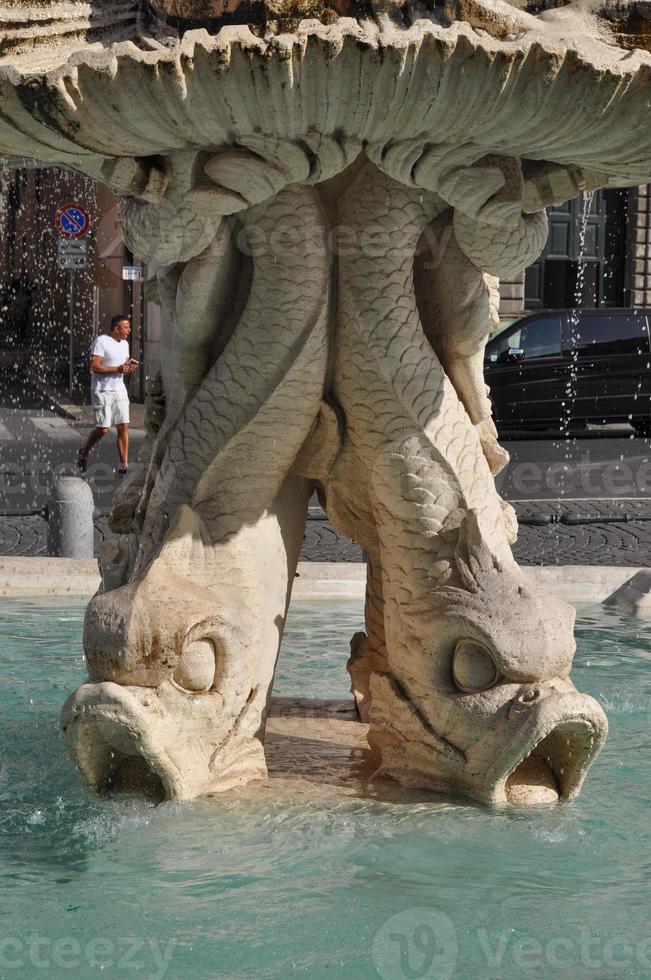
555	767
160	743
553	763
109	736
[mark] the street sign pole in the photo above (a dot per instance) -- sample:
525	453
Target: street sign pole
71	331
72	222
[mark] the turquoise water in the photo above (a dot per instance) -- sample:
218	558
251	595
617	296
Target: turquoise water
353	889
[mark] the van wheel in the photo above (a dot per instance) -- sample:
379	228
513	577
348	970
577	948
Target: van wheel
642	427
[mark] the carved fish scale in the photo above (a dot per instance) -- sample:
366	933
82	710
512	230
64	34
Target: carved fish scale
410	435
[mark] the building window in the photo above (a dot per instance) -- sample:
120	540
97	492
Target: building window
581	267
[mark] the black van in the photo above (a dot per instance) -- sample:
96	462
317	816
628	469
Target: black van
572	366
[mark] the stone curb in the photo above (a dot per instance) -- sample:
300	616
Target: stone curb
316	580
580	583
329	580
48	576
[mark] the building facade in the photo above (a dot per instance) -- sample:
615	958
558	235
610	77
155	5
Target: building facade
35	293
598	253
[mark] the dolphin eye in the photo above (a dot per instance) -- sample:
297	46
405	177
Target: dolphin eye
473	667
195	670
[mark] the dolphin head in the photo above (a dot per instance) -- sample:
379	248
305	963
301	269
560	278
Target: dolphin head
487	709
173	700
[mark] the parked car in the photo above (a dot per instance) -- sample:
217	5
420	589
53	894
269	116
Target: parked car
572	366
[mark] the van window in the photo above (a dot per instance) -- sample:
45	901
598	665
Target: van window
537	338
617	333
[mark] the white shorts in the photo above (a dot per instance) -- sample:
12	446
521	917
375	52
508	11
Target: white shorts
110	408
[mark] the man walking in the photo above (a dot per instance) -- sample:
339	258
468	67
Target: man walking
109	363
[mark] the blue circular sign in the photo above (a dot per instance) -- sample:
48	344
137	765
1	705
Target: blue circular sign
72	221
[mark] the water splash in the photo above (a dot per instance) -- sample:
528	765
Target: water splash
569	401
33	291
4	201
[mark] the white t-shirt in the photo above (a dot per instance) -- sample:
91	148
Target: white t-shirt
113	353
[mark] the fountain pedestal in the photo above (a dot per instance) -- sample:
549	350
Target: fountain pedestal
325	207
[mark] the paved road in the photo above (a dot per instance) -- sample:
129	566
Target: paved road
583	501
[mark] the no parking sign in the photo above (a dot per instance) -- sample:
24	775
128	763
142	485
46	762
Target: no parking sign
72	221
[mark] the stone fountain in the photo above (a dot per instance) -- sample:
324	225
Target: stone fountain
327	194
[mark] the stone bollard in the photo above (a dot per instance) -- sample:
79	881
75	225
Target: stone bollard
70	528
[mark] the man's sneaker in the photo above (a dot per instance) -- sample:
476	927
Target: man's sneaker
123	470
81	461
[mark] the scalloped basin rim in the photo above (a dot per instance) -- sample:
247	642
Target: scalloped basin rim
550	100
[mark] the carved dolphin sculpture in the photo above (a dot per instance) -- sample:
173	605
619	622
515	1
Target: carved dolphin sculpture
489	711
181	646
351	364
463	675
